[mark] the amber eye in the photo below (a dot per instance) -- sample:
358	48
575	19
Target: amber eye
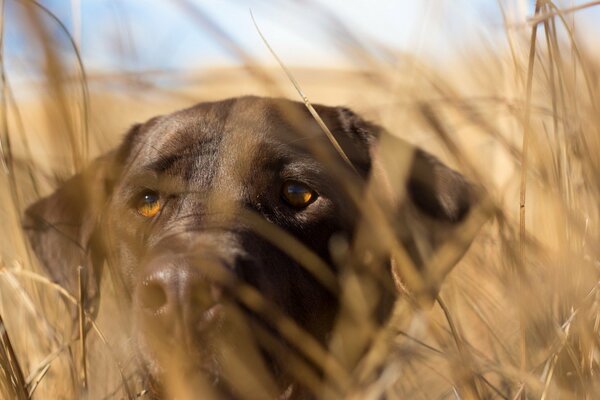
297	195
148	204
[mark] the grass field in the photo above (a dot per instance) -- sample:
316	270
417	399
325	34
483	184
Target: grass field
519	316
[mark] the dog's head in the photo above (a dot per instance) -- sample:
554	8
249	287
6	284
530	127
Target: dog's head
229	225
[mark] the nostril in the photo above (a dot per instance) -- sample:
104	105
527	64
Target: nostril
153	297
204	306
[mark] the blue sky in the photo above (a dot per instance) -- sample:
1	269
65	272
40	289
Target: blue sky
160	34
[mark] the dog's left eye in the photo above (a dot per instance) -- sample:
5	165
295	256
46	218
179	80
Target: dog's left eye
297	194
148	204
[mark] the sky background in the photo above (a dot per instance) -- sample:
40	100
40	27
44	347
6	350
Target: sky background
143	35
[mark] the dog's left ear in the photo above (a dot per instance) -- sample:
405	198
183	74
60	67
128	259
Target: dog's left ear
425	201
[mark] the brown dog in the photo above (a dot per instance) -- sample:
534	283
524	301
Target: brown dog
231	228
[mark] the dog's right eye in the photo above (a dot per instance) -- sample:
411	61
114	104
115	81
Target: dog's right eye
148	204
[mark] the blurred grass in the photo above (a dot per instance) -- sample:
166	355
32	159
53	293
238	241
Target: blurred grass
517	318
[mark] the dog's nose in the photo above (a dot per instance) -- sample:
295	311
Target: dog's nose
172	292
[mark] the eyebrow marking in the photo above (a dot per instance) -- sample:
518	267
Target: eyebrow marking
164	162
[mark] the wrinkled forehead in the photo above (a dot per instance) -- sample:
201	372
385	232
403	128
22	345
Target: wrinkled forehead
235	134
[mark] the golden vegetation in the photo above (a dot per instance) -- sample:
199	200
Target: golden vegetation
519	317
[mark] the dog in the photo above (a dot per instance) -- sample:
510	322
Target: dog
232	228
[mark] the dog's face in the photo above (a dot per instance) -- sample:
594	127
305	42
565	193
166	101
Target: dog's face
222	226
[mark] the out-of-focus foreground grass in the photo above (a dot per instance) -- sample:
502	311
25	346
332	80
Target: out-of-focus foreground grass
521	311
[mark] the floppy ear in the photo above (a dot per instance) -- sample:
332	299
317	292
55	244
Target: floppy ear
411	205
423	200
433	204
62	228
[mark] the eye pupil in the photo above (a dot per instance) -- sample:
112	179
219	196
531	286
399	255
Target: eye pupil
297	194
150	198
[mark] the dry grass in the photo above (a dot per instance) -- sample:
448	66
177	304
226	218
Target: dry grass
519	317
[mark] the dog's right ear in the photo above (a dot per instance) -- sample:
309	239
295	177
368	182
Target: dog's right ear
62	228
